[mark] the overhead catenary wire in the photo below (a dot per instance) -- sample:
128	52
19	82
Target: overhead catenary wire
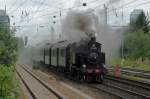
131	6
124	5
98	6
80	5
42	2
57	4
63	10
36	11
56	12
20	5
53	6
9	9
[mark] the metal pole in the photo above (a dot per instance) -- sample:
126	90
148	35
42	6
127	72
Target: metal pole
105	10
60	35
122	49
122	38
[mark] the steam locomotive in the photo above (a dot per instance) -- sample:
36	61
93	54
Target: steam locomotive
81	60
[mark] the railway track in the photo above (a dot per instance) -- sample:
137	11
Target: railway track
126	81
49	93
137	70
26	85
124	88
134	72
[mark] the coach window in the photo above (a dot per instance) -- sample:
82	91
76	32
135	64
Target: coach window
62	52
47	52
55	51
52	52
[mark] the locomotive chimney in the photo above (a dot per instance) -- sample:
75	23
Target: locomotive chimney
93	39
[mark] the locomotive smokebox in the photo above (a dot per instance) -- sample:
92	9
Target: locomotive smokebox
93	39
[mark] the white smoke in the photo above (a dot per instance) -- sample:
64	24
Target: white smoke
81	24
113	1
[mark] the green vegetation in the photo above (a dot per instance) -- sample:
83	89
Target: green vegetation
36	67
136	46
8	46
137	64
8	57
8	85
141	22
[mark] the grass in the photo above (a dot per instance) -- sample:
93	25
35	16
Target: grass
145	65
36	67
9	88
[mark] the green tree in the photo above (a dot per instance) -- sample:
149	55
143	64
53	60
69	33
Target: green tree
8	46
141	22
137	45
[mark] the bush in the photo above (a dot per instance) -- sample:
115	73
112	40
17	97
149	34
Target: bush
8	85
36	67
137	45
8	46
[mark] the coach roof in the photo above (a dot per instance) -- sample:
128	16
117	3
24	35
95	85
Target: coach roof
61	44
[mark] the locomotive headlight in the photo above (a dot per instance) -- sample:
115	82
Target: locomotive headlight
97	70
84	66
104	65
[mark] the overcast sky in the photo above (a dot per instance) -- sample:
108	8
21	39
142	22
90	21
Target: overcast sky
36	16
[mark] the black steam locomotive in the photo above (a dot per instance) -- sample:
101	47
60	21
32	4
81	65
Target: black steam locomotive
81	60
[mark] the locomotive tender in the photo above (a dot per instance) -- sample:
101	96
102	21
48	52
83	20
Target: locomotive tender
81	60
